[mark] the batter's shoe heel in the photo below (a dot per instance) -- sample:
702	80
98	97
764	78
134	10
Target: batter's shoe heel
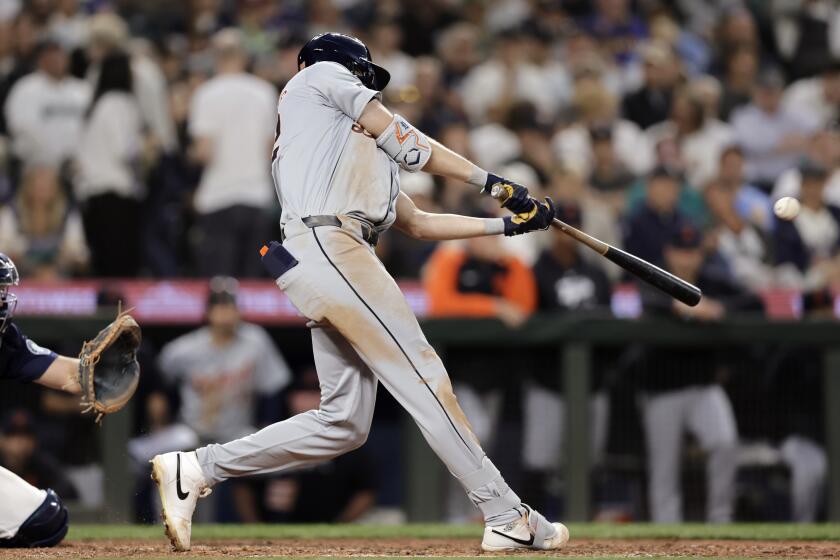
531	531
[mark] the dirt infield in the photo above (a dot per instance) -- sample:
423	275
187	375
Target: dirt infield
622	548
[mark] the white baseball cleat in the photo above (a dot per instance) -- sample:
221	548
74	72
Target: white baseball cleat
180	483
531	531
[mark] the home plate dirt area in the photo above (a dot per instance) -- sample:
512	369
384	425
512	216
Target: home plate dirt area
596	541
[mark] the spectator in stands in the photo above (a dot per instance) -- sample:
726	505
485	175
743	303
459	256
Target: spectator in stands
566	283
738	80
506	77
773	139
701	138
232	122
806	249
824	149
600	214
740	242
107	185
609	176
816	98
806	34
751	203
342	490
690	400
650	223
596	107
651	103
228	374
20	453
45	111
41	231
386	40
616	27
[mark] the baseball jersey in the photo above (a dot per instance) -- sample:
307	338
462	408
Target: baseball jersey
324	161
21	358
219	385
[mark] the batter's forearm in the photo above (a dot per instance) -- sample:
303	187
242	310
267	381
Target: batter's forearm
443	227
447	163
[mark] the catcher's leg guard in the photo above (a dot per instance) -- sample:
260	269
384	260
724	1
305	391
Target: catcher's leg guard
47	525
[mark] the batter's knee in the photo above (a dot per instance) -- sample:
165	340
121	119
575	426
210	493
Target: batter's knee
47	525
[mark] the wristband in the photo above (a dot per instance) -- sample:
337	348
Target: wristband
478	177
494	226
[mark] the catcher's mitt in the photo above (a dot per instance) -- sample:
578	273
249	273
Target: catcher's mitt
108	368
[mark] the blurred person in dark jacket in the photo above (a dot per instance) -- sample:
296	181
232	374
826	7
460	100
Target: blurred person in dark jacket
651	103
20	453
807	248
679	388
566	283
649	226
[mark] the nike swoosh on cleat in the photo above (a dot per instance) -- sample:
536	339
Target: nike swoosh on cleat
529	542
184	495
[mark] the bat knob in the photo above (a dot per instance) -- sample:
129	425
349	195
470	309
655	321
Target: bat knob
498	192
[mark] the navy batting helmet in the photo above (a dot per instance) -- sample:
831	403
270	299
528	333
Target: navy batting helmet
350	53
8	301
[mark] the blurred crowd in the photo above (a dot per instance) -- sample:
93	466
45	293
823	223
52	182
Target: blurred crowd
136	140
151	123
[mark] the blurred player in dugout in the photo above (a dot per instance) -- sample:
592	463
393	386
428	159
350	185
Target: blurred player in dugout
227	375
680	388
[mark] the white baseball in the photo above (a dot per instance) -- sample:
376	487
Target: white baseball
786	208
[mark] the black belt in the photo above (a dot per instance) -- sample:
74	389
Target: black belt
370	235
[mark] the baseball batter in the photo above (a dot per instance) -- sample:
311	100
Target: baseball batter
336	161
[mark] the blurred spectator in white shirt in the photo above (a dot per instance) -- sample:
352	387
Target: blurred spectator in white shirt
505	78
69	24
596	107
45	110
232	122
740	242
824	148
109	33
807	249
807	34
816	98
701	138
772	137
752	204
108	186
386	39
40	230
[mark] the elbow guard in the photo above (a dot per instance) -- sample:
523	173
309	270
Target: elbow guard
406	145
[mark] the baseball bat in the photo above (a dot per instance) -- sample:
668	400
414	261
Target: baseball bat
672	285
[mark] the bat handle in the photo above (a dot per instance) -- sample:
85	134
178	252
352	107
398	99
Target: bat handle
498	192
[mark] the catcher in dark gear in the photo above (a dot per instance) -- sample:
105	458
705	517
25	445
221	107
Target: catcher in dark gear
105	376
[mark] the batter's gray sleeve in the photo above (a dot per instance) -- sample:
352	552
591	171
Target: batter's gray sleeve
340	88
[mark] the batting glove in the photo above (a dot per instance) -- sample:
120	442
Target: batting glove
518	199
539	217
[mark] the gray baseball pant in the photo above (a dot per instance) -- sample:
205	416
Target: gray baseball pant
366	334
705	411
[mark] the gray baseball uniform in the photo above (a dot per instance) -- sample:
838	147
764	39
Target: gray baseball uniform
366	333
219	385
